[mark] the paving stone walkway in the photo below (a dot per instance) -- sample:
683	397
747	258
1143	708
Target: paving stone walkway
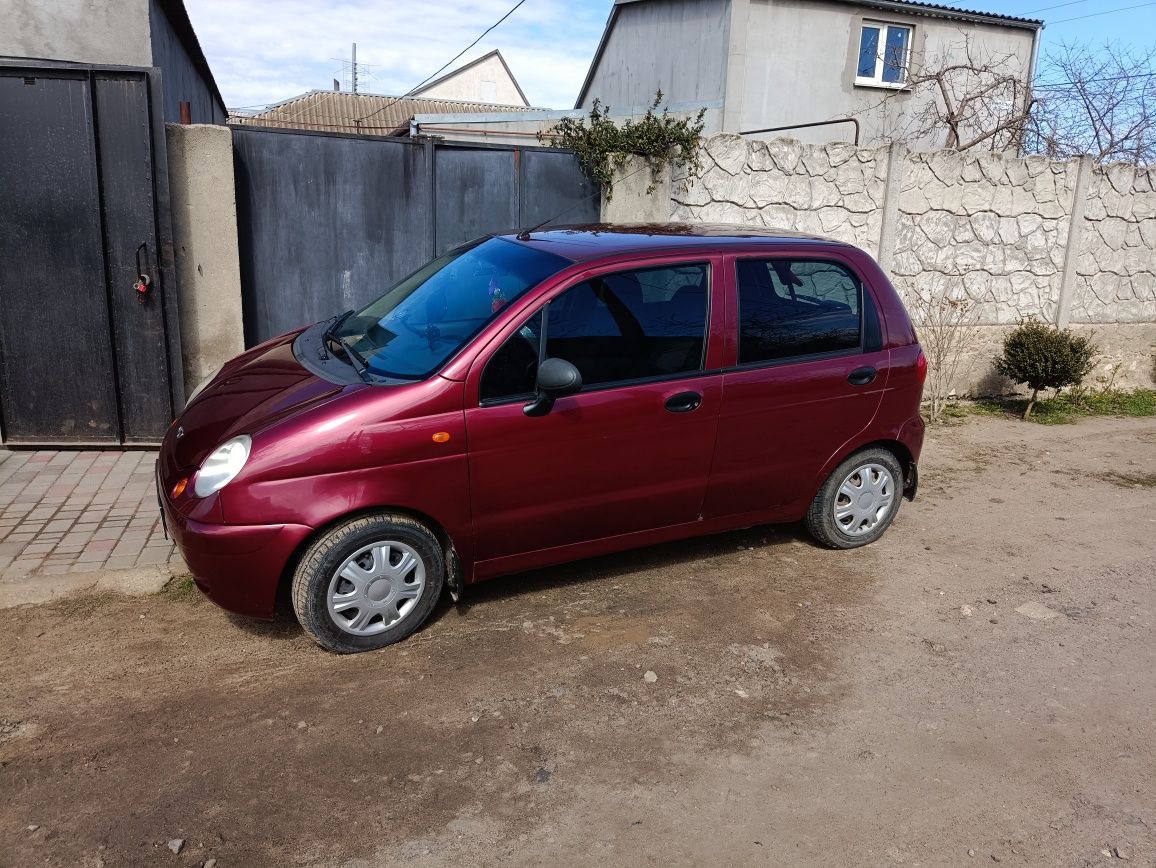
78	512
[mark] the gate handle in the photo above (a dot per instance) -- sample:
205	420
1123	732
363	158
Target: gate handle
143	281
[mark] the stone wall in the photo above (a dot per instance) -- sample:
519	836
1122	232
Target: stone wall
1069	242
1115	269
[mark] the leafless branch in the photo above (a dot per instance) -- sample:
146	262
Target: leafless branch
1099	101
962	98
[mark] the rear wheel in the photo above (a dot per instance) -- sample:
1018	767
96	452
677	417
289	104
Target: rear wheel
368	583
858	501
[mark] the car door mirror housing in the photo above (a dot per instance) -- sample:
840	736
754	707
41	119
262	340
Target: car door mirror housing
557	378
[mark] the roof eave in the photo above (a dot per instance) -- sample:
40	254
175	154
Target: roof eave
933	11
182	25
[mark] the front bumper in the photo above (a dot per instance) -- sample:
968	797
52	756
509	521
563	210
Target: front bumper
238	567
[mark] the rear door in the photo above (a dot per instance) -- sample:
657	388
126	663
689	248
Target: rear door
630	452
807	376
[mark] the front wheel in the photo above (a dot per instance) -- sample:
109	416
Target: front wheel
368	583
858	501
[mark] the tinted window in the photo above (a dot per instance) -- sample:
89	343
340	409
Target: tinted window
796	308
625	326
513	370
631	325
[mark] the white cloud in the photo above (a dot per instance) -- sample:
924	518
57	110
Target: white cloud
266	50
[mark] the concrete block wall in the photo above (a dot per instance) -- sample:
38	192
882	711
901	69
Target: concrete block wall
1070	242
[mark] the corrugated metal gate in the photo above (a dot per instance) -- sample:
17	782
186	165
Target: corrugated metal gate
82	360
328	221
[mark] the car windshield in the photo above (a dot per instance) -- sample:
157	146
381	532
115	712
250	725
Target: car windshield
417	325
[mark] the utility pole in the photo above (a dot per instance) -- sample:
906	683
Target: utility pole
355	67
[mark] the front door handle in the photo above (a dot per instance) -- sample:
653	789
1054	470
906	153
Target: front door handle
684	402
862	376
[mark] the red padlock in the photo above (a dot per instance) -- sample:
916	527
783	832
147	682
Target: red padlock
142	288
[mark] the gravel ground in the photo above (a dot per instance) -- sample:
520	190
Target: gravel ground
977	687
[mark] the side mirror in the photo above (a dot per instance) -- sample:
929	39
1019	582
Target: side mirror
557	378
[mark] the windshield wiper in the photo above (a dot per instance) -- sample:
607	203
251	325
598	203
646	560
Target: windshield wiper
330	330
356	360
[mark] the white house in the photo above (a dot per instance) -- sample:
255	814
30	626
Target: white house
755	64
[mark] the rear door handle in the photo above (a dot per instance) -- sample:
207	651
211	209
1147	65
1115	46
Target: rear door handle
684	402
862	376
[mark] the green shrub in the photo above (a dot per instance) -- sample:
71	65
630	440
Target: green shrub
600	144
1044	357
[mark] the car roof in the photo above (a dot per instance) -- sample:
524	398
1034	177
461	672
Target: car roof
582	243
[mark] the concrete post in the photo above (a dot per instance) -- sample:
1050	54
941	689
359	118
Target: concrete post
632	201
1072	248
736	68
896	154
204	213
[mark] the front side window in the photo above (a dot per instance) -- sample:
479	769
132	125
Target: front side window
884	54
417	325
794	307
630	325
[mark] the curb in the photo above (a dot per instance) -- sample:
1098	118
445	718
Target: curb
39	589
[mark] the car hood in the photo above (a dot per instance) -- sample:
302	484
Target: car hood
252	392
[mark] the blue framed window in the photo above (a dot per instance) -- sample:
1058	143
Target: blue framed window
884	54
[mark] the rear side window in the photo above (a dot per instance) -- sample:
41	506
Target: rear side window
615	328
795	307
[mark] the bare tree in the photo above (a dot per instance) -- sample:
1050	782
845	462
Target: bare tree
964	97
1098	101
946	321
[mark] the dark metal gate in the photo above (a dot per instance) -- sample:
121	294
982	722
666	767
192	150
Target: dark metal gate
83	212
328	221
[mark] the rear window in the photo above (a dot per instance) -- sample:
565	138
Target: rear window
792	307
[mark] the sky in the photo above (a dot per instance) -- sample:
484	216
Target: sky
263	51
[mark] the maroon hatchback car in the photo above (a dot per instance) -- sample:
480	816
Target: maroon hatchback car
530	399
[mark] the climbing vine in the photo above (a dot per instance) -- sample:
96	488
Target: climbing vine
601	145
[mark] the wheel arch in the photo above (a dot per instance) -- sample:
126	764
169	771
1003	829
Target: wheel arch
285	581
903	455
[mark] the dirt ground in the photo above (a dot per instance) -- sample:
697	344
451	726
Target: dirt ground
977	687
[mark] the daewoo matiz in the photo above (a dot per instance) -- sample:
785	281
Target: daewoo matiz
530	399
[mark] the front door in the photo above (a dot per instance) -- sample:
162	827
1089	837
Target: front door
632	451
810	375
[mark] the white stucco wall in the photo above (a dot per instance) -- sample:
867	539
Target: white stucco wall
678	46
488	81
81	31
801	57
770	63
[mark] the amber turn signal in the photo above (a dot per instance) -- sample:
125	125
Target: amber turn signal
441	437
180	487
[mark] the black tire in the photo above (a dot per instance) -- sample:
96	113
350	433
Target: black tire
821	516
321	561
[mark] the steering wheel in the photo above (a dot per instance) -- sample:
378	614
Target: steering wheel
430	332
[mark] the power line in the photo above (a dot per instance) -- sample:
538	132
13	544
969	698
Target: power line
1095	14
513	9
1057	6
1106	78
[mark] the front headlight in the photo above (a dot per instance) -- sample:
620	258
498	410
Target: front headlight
201	386
222	465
